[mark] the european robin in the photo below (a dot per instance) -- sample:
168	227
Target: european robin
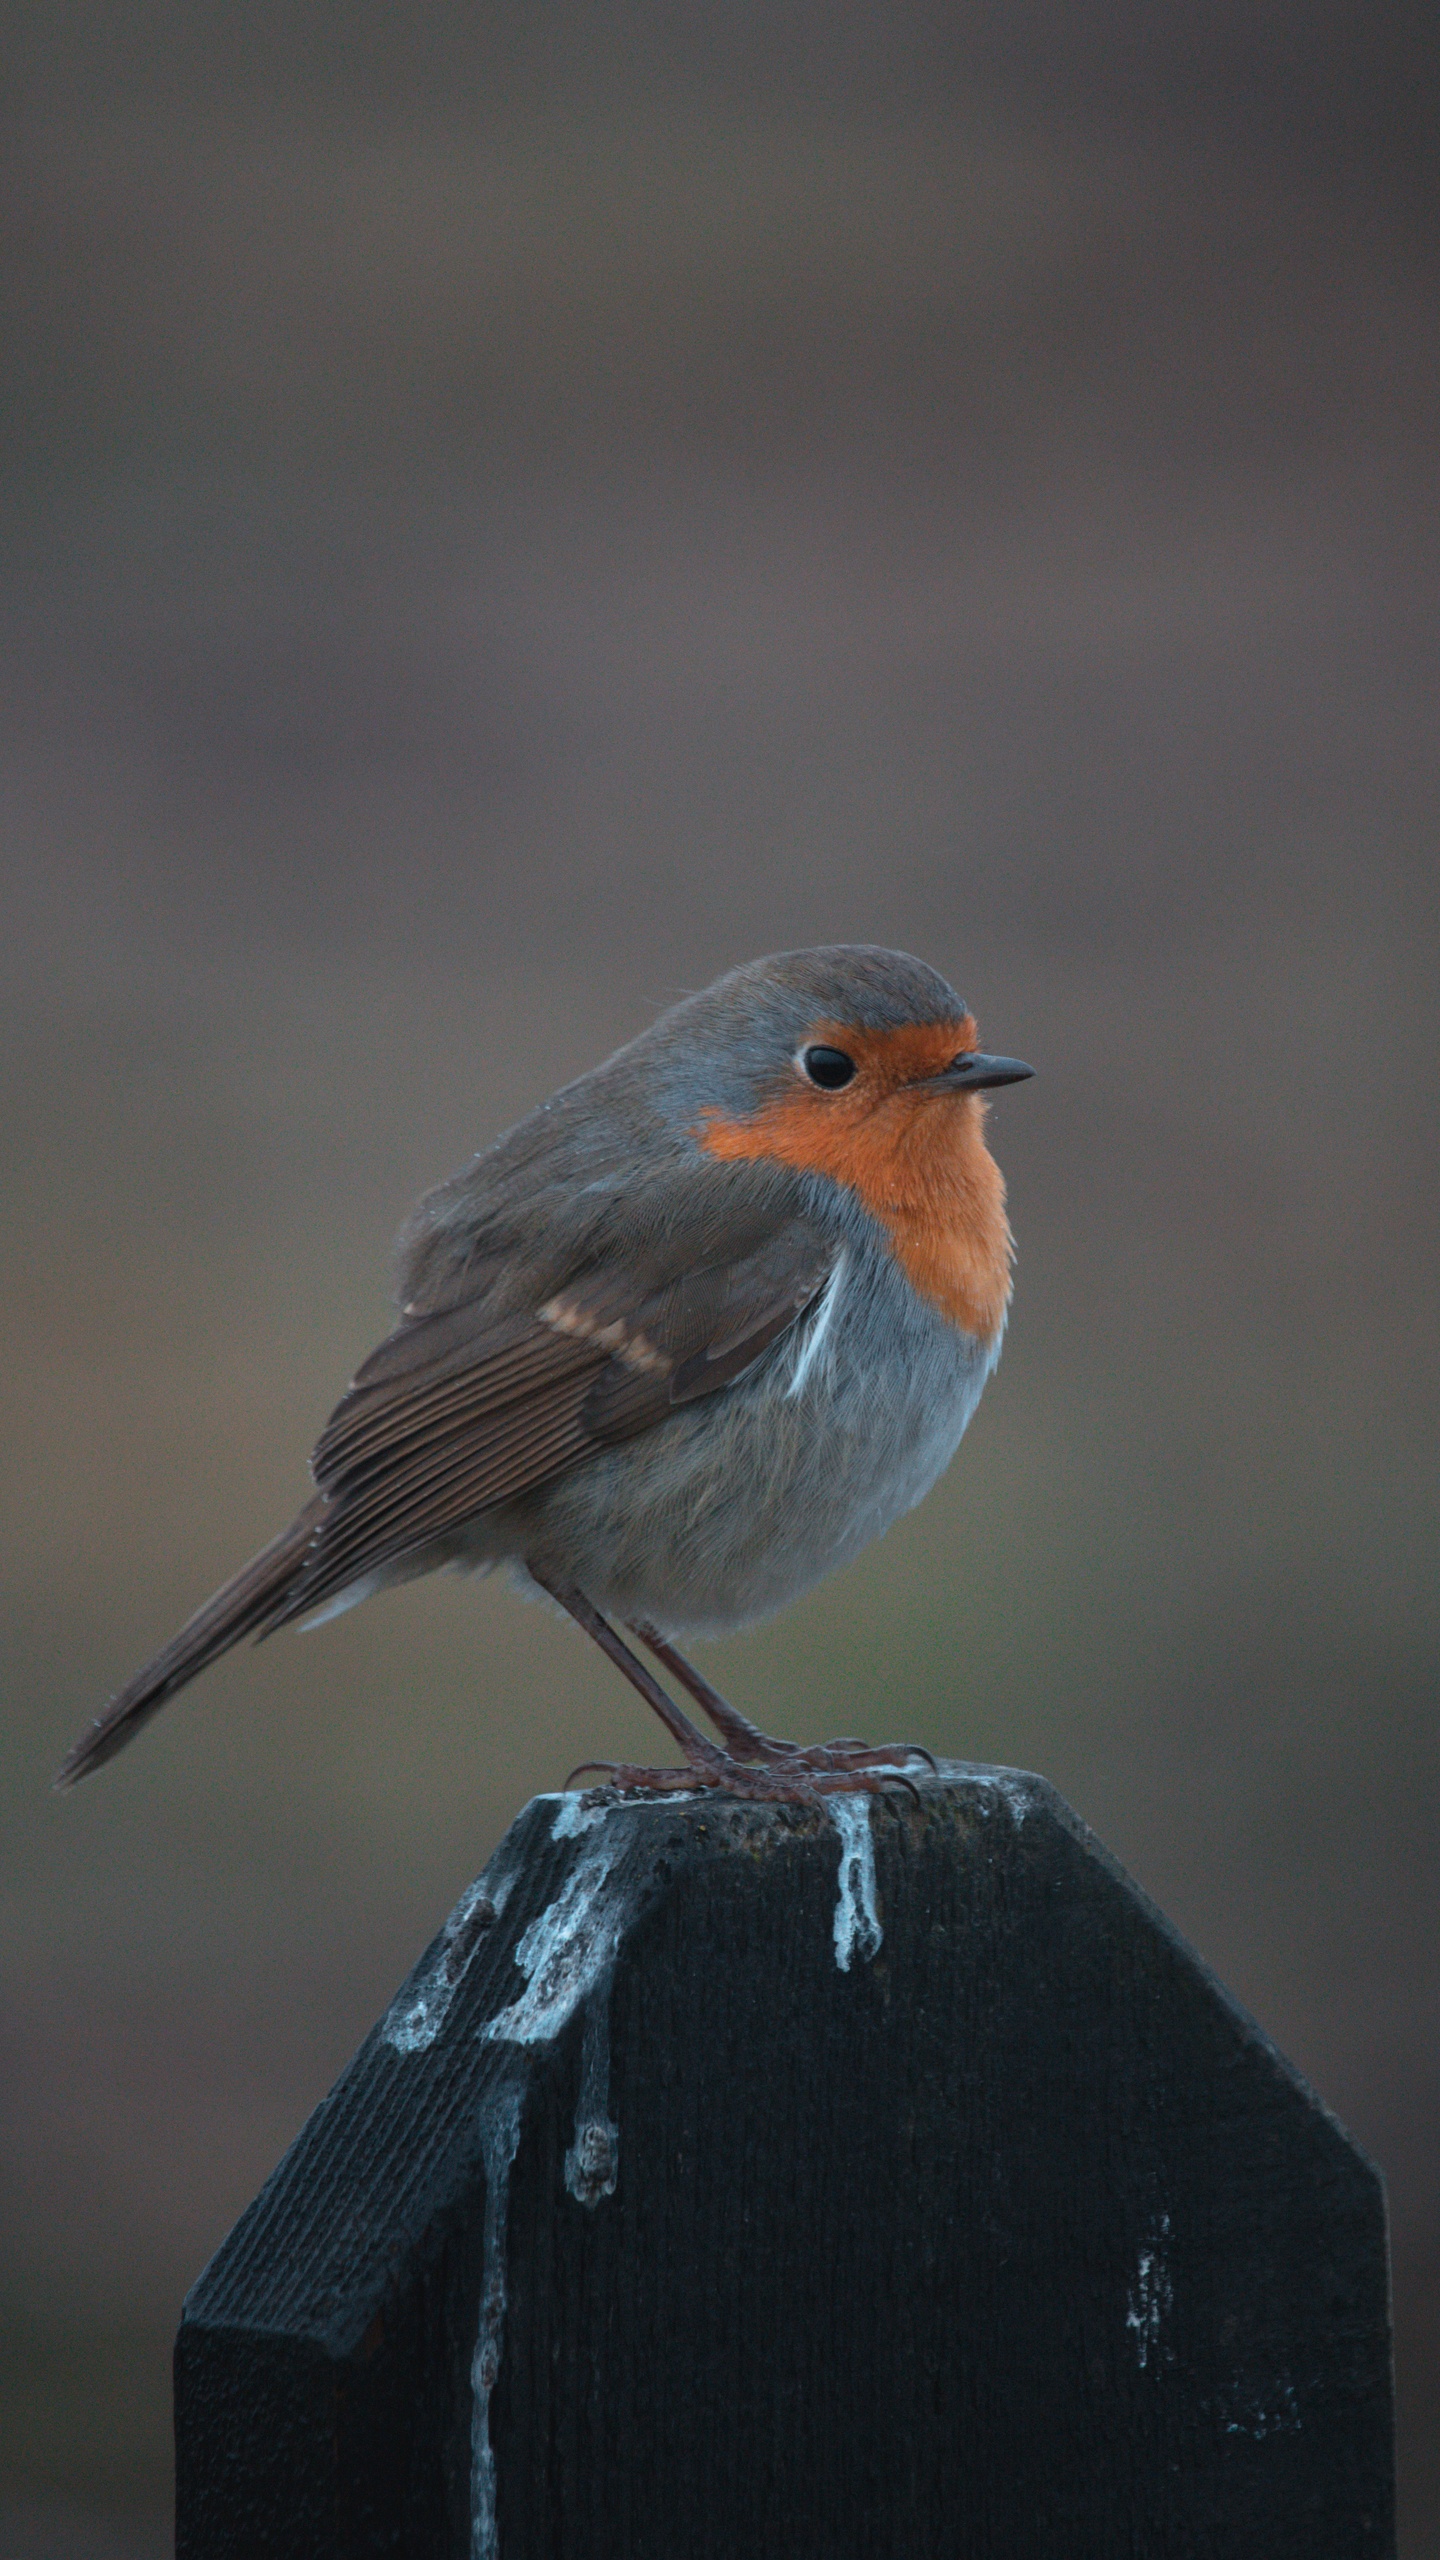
682	1341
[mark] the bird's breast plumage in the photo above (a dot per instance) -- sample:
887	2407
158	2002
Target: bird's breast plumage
728	1511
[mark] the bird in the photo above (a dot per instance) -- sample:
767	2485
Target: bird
685	1339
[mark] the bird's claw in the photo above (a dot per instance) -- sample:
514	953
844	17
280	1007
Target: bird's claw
802	1777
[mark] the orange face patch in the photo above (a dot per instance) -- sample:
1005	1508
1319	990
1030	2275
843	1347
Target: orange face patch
916	1159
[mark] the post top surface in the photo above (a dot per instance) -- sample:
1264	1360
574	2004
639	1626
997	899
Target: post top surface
974	1887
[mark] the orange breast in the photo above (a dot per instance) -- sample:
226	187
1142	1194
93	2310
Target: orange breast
918	1161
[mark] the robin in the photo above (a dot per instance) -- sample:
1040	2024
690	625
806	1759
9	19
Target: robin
682	1341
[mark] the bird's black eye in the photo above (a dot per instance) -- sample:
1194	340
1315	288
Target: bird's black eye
829	1068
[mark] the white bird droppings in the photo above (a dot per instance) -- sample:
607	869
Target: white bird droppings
500	2140
575	1816
566	1950
857	1921
592	2163
1016	1798
412	2024
1278	2414
1152	2293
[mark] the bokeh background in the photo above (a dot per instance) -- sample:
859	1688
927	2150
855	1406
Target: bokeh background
507	513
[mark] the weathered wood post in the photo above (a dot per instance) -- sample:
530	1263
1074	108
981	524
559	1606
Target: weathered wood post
732	2181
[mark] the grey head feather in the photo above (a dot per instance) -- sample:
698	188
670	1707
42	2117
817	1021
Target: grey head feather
733	1044
604	1152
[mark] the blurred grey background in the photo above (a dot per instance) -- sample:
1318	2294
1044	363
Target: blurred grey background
505	515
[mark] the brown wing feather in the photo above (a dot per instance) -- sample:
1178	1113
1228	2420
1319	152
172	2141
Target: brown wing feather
437	1485
409	1457
244	1606
456	1414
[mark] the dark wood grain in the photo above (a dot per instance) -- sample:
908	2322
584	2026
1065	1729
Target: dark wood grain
1015	2240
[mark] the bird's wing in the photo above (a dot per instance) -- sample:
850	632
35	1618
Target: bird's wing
456	1414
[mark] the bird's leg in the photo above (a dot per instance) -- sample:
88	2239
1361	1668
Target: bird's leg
741	1738
698	1752
745	1741
791	1783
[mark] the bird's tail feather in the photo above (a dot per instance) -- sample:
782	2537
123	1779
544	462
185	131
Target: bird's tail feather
245	1606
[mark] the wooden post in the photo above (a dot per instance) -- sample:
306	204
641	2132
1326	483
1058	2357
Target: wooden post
730	2181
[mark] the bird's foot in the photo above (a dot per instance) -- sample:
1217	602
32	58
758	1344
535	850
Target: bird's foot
744	1741
843	1756
794	1777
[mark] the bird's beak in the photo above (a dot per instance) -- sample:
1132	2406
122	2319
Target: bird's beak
974	1071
